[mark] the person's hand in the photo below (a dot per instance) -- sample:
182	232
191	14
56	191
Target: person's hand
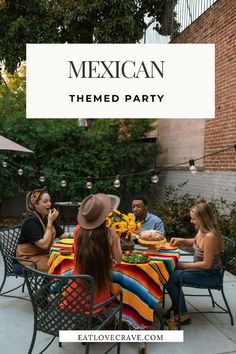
136	234
66	235
53	214
176	241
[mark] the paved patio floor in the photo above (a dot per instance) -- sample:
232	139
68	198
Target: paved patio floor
207	334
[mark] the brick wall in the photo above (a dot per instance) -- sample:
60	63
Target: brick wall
218	25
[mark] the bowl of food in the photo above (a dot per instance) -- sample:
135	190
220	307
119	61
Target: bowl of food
151	238
65	251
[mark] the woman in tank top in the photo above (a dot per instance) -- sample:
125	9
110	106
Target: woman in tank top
207	246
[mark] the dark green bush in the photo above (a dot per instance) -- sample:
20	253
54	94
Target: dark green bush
232	224
173	208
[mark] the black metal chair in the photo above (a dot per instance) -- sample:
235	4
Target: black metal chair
66	303
8	242
227	253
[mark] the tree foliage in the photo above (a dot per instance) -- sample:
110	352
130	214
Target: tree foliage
61	147
24	22
76	21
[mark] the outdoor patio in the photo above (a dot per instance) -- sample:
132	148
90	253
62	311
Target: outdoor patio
208	333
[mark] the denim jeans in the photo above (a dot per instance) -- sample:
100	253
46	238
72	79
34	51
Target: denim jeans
191	277
55	287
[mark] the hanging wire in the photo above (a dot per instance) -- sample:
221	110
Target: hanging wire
64	178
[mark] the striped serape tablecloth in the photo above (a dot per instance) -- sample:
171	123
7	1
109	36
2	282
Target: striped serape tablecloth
58	263
142	286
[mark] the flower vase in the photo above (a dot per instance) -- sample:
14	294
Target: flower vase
126	244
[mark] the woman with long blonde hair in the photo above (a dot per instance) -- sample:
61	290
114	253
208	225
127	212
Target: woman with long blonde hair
207	246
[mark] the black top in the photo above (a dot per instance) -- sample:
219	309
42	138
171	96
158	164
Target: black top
32	230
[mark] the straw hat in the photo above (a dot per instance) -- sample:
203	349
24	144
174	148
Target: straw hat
94	210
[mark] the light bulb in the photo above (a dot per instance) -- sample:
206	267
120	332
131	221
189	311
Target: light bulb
89	185
20	172
117	182
42	178
154	179
193	169
63	183
4	164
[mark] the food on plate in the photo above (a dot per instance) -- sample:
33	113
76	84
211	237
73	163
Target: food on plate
145	254
135	258
151	235
166	246
127	253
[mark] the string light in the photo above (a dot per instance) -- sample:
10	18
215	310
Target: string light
41	177
20	171
89	184
63	182
154	177
192	168
117	182
116	179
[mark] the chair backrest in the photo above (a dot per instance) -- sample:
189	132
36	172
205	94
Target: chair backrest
8	241
60	302
228	251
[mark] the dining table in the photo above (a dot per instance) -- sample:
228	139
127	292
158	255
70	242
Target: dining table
142	284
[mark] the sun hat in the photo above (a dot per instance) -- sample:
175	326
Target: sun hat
94	210
115	201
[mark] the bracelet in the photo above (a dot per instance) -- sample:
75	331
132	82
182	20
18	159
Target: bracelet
49	227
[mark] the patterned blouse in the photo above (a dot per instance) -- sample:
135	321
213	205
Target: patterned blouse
199	255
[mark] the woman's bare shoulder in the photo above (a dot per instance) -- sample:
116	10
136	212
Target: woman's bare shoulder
210	234
210	237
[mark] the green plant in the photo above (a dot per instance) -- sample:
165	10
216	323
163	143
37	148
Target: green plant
232	265
61	147
173	209
232	224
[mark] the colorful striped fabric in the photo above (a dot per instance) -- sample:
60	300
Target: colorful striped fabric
142	284
57	262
